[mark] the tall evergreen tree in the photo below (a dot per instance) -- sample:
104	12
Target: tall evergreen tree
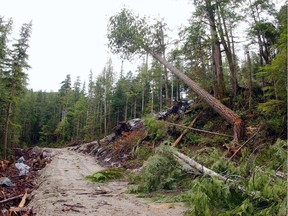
15	78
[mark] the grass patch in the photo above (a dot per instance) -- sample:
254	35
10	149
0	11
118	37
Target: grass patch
107	175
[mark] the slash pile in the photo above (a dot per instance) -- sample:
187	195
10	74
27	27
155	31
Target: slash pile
17	179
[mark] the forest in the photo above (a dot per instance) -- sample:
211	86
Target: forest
205	52
235	84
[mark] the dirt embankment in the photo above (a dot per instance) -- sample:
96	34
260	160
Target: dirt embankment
63	191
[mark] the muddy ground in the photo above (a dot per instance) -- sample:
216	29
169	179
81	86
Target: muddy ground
63	191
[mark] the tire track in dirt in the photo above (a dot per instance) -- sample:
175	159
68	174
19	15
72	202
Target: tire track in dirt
63	191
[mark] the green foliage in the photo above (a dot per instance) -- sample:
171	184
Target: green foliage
275	116
265	194
13	78
276	72
126	33
143	152
275	108
158	172
210	196
191	138
208	125
106	175
262	193
277	151
212	141
157	130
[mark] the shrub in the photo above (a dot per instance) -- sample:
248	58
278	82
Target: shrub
157	130
158	172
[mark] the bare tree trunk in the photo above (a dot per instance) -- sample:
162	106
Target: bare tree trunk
105	117
143	99
160	94
166	85
177	90
249	80
172	89
254	12
225	112
126	110
144	85
219	84
165	70
228	52
100	116
152	98
135	107
6	130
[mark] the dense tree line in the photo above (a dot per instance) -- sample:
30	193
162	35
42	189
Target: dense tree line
13	65
205	51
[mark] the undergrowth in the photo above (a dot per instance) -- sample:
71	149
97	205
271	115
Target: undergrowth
261	191
158	172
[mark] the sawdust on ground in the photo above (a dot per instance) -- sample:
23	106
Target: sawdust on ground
63	191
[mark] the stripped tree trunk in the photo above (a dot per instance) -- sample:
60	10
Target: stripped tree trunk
219	84
228	50
199	167
186	130
225	112
6	130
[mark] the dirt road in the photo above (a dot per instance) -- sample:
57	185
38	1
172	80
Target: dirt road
63	191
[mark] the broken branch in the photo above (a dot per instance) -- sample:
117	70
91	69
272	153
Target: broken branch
199	130
186	130
244	144
11	198
22	203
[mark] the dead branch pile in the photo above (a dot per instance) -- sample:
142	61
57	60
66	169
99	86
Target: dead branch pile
17	179
116	148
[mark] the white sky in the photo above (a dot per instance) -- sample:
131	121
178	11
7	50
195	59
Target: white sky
69	36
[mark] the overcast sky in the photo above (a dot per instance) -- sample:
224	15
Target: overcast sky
69	36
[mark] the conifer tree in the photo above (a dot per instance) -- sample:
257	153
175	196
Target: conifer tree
15	78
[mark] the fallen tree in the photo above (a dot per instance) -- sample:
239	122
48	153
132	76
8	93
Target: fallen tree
206	171
201	168
129	35
225	189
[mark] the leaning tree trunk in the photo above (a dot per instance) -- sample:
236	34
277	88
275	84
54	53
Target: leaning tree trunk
225	112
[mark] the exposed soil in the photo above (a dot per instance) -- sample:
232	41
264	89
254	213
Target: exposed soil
63	191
